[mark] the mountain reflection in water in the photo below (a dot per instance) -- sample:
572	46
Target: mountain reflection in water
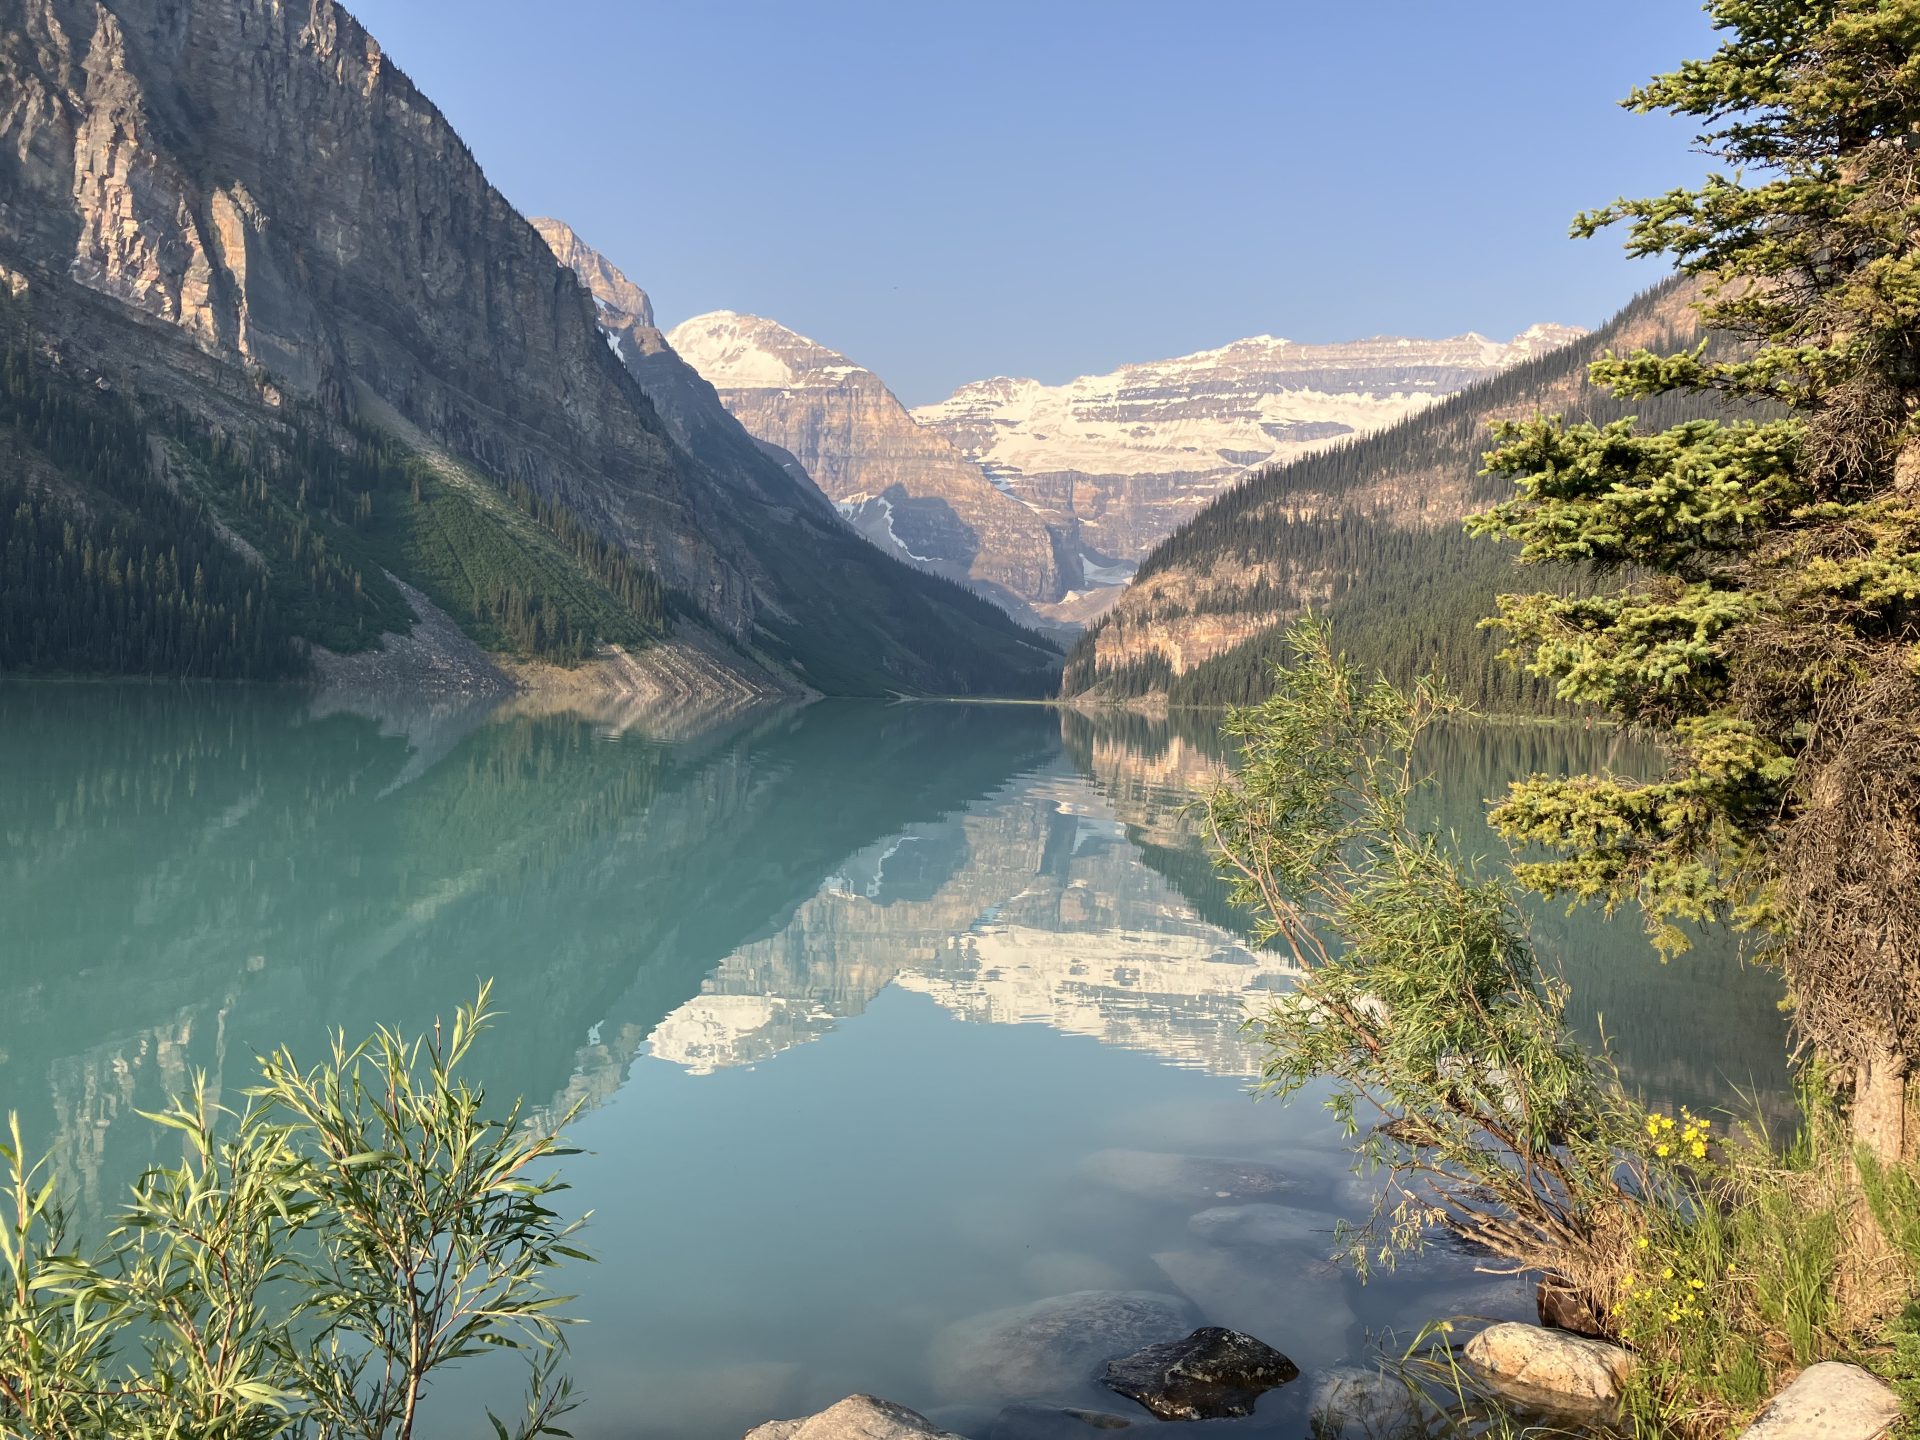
702	917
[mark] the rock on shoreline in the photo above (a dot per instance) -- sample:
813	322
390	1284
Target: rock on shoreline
858	1417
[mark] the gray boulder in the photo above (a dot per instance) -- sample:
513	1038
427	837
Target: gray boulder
1829	1401
1265	1227
1051	1347
1358	1404
1211	1374
858	1417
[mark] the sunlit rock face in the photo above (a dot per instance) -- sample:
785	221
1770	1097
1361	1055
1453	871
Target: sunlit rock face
244	208
901	485
1120	460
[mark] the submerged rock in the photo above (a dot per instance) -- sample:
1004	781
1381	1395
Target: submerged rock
1211	1374
1305	1306
1265	1227
1051	1346
1351	1402
858	1417
1186	1179
1550	1367
1060	1272
1054	1422
1829	1401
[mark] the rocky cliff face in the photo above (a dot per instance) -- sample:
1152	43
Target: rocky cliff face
259	177
691	408
1120	461
903	486
228	204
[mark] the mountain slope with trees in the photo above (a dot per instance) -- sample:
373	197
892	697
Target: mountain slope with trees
1370	534
245	243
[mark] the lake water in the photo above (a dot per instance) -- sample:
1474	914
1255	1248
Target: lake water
884	1017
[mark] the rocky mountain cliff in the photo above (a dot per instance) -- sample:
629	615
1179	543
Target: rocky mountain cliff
241	212
901	485
691	408
1120	461
1368	533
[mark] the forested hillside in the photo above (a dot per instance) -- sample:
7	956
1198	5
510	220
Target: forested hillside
423	392
147	543
1370	534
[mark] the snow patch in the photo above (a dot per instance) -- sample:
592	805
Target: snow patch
1097	574
1201	414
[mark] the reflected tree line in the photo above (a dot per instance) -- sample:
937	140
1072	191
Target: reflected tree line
192	876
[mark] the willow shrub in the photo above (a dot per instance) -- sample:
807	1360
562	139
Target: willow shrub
1419	1000
1442	1042
312	1262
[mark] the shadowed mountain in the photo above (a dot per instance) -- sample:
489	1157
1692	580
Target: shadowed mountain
242	244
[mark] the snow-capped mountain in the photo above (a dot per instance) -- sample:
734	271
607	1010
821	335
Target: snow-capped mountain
1054	493
1120	460
902	485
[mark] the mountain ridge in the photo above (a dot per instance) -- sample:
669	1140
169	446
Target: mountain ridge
242	214
1107	464
1121	458
1367	533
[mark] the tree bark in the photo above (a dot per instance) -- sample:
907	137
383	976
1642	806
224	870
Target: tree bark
1880	1104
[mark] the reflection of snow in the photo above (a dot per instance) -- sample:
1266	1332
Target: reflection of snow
1054	919
1183	997
710	1032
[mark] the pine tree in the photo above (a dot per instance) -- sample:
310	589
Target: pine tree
1762	613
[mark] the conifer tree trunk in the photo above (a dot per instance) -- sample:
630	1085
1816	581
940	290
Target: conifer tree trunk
1880	1104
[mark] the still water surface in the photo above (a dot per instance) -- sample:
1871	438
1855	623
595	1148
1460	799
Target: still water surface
883	1016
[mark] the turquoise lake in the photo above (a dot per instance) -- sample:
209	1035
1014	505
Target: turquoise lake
883	1017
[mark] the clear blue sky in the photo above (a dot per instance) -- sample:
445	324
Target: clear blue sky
1053	187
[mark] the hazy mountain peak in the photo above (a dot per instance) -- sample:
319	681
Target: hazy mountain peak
750	352
600	275
1208	416
899	484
